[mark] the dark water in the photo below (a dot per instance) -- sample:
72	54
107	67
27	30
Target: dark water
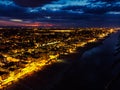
100	62
95	69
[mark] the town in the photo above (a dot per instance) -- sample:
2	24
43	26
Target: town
25	50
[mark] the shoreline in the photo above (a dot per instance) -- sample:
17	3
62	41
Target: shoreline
58	71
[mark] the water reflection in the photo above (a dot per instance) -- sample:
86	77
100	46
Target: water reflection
97	63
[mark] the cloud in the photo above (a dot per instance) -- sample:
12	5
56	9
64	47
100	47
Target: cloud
63	12
95	7
11	11
15	11
85	6
32	3
108	1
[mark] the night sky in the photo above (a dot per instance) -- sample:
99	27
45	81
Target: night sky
60	13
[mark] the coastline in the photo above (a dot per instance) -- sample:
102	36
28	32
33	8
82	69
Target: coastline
70	80
52	75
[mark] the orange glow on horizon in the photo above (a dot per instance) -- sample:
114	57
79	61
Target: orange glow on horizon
37	24
32	24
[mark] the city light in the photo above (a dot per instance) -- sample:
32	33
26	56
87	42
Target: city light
23	53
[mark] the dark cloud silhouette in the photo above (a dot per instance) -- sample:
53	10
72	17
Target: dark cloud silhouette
96	8
102	9
92	14
11	11
108	1
32	3
74	8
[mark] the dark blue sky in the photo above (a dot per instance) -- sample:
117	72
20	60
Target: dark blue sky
60	13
